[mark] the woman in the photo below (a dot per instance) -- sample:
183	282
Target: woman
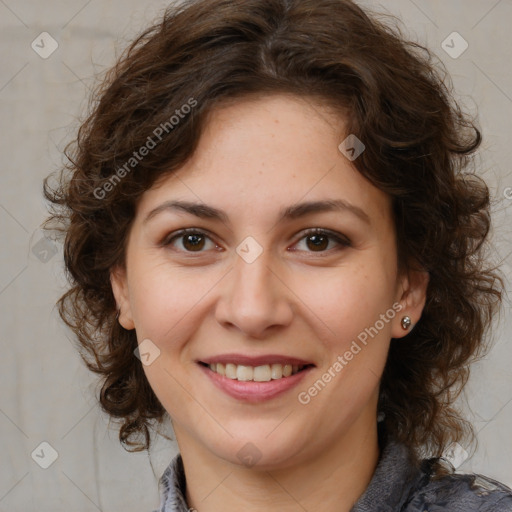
275	241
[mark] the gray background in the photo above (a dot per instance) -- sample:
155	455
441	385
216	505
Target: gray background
47	394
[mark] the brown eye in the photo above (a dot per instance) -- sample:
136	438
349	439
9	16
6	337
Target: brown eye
193	242
320	241
190	240
317	242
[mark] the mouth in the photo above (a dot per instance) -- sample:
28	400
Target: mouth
254	379
260	373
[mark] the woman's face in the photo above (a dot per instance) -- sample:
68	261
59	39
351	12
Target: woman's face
251	285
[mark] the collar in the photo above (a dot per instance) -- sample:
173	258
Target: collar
395	477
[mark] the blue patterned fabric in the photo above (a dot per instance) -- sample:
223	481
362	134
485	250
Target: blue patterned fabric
396	486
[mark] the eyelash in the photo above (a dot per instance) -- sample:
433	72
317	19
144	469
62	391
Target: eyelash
342	241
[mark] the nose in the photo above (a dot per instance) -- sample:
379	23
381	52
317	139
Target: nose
255	300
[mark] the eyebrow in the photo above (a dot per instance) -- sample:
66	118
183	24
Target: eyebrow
291	212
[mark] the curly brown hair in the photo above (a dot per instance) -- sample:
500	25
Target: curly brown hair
395	96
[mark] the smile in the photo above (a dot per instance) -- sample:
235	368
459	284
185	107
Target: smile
262	373
254	379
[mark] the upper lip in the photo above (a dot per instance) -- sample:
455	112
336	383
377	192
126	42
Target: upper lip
241	359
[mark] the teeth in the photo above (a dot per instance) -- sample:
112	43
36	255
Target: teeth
244	372
263	373
276	371
230	370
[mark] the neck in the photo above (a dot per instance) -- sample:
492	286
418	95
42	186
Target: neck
332	481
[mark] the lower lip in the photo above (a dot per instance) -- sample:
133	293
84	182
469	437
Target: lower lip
250	391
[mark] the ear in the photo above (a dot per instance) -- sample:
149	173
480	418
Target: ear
119	283
411	295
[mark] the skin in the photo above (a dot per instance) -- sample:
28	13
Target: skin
254	158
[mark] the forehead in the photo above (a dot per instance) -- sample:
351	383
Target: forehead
257	156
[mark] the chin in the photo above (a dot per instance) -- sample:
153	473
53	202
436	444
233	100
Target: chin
258	450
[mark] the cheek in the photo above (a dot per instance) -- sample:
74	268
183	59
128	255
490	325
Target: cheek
167	303
356	306
348	300
164	299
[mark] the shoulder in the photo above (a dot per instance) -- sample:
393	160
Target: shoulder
460	493
400	484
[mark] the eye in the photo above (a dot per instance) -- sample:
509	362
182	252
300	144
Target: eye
195	240
190	240
319	240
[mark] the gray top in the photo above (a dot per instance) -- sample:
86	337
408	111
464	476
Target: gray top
396	486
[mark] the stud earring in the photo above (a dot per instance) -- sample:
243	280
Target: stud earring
406	322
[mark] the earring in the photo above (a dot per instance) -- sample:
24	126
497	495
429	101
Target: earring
406	322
